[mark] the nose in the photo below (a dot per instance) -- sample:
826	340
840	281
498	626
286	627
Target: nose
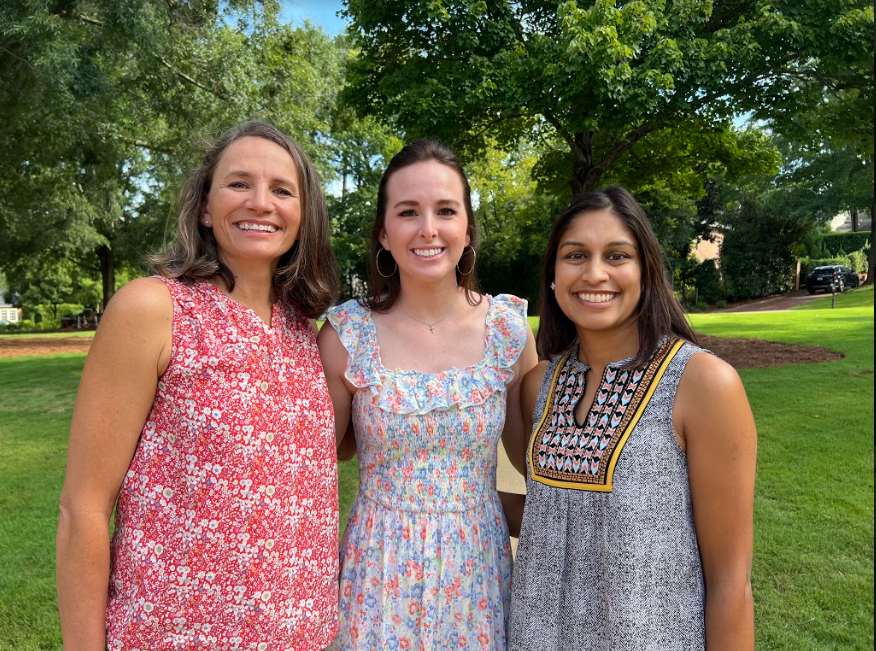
595	270
260	198
428	227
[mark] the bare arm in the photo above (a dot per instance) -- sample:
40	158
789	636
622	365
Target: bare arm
513	503
717	429
130	351
334	361
514	432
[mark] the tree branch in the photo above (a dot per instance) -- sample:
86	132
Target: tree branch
142	144
194	82
491	124
22	59
611	157
564	134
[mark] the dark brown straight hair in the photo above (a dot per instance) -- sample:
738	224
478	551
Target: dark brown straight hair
658	313
306	275
384	286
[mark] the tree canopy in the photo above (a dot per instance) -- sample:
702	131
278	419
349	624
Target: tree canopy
600	76
110	98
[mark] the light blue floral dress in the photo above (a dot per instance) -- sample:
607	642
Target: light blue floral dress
426	559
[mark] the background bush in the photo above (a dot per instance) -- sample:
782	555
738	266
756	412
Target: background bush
840	243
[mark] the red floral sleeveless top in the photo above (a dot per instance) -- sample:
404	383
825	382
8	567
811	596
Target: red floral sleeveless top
226	527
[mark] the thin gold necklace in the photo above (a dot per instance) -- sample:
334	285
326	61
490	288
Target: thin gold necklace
426	323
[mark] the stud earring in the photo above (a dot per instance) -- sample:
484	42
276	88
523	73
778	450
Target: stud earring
553	286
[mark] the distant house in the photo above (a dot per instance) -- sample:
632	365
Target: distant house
8	313
706	250
847	222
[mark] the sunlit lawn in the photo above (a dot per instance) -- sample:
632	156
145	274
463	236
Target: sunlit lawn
813	573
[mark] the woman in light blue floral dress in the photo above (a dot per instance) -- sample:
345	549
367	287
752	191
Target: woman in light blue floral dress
426	368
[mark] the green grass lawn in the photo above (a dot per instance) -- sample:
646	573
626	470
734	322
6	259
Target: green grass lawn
813	572
813	566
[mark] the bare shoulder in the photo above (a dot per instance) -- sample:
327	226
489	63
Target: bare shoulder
711	405
143	298
708	376
331	349
137	324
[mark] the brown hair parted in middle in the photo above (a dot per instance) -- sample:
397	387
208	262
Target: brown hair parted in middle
384	288
658	313
306	275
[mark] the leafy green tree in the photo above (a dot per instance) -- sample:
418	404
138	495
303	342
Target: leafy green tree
102	102
514	218
600	76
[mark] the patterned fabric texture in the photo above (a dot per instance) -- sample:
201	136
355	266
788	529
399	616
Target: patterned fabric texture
619	569
226	524
426	558
583	456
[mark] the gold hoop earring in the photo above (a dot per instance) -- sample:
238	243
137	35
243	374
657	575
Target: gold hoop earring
473	262
377	264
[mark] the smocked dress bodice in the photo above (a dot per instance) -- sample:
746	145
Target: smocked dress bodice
425	560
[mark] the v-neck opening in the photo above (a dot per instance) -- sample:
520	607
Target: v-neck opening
268	327
584	367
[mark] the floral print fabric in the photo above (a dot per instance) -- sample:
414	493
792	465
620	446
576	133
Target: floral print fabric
426	558
226	524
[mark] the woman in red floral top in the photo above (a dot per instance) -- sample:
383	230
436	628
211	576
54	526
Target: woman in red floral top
203	417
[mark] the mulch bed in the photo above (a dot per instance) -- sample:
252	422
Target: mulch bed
757	353
739	353
13	347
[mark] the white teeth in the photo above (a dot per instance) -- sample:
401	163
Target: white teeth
266	228
427	253
595	298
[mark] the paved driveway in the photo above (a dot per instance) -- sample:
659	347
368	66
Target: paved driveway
775	303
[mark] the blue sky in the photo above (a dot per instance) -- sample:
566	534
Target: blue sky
319	12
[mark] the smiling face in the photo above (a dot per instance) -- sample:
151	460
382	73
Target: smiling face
254	204
425	224
598	273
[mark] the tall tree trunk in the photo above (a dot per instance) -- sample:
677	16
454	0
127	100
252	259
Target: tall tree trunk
853	213
869	280
107	273
585	175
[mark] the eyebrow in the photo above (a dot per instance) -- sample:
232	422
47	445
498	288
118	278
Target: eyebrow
276	179
615	243
440	202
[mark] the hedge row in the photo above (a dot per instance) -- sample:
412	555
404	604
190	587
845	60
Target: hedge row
844	243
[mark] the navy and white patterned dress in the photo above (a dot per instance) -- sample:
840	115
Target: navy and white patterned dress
608	557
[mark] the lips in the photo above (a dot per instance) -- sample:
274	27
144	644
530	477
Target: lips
596	297
428	253
252	227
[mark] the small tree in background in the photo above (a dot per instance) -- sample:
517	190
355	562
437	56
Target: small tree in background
760	248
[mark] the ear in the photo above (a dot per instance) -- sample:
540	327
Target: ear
206	221
467	239
383	239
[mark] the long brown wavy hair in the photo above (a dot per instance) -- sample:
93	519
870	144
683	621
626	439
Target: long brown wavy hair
384	291
306	276
658	313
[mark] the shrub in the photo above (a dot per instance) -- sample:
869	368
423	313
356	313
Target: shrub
835	244
710	282
858	261
46	317
758	251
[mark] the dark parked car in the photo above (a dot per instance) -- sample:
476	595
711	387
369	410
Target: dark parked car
820	278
